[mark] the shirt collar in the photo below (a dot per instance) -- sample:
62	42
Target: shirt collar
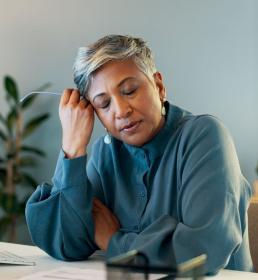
155	147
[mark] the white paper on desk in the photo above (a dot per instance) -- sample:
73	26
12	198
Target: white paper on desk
67	273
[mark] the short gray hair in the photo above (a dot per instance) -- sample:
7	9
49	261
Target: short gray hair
110	48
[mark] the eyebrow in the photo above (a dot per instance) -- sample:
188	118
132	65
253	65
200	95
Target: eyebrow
119	85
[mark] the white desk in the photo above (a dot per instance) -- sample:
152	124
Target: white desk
45	262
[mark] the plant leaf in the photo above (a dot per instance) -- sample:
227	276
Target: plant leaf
28	180
33	150
22	203
4	223
3	176
3	121
9	202
32	125
3	136
27	102
5	133
27	161
11	118
11	88
21	208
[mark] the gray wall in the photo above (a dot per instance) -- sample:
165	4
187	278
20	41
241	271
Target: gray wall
204	48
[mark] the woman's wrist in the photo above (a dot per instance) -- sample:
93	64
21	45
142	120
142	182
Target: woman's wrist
72	153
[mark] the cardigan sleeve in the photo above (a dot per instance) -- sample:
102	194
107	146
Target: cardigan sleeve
59	216
212	203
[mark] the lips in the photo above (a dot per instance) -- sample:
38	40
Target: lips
131	127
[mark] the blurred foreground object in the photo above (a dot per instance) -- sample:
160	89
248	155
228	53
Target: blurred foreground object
253	230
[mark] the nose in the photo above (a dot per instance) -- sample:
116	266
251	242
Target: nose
122	108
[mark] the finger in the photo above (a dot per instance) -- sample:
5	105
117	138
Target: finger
107	216
115	221
94	200
90	111
114	217
101	212
101	209
75	97
96	215
83	103
66	96
96	211
98	203
97	208
89	106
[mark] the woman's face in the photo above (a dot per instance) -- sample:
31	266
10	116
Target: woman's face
128	103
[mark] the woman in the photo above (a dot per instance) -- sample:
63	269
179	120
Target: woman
162	180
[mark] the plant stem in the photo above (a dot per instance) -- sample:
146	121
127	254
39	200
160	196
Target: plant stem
9	174
18	138
13	150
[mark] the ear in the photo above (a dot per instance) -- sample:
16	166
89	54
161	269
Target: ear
158	80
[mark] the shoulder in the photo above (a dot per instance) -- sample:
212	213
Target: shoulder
207	127
204	135
187	124
206	122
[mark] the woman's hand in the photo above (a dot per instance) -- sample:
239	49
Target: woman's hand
106	224
77	120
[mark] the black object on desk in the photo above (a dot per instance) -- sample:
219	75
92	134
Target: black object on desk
134	265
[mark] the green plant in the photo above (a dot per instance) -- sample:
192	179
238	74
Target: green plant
16	158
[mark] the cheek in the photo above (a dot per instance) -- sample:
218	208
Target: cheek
105	119
151	106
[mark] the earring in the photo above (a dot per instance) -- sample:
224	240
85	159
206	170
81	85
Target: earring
107	138
163	110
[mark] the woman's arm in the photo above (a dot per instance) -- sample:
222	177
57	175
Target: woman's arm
59	217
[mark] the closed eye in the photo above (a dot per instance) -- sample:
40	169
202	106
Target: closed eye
129	92
105	105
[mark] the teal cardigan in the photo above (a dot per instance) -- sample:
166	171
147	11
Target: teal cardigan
180	195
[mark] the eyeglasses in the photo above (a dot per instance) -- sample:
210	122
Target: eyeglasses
39	92
134	265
